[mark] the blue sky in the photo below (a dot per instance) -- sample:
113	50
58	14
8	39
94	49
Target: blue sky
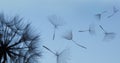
76	15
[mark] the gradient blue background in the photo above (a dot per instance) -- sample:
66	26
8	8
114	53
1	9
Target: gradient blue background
76	14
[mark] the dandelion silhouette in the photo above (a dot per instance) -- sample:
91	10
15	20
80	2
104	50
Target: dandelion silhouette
115	10
69	36
56	21
61	57
16	45
99	15
107	35
91	29
33	58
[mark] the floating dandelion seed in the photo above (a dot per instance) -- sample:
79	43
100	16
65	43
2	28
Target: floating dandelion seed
61	57
17	45
56	21
91	29
69	36
115	10
107	35
99	15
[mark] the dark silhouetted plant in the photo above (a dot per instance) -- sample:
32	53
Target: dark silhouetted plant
18	42
69	36
61	57
56	21
91	29
107	35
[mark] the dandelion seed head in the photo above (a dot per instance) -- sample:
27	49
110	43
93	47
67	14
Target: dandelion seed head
17	44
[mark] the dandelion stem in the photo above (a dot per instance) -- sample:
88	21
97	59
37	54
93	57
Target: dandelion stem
102	28
79	44
83	30
111	15
49	50
57	59
54	33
